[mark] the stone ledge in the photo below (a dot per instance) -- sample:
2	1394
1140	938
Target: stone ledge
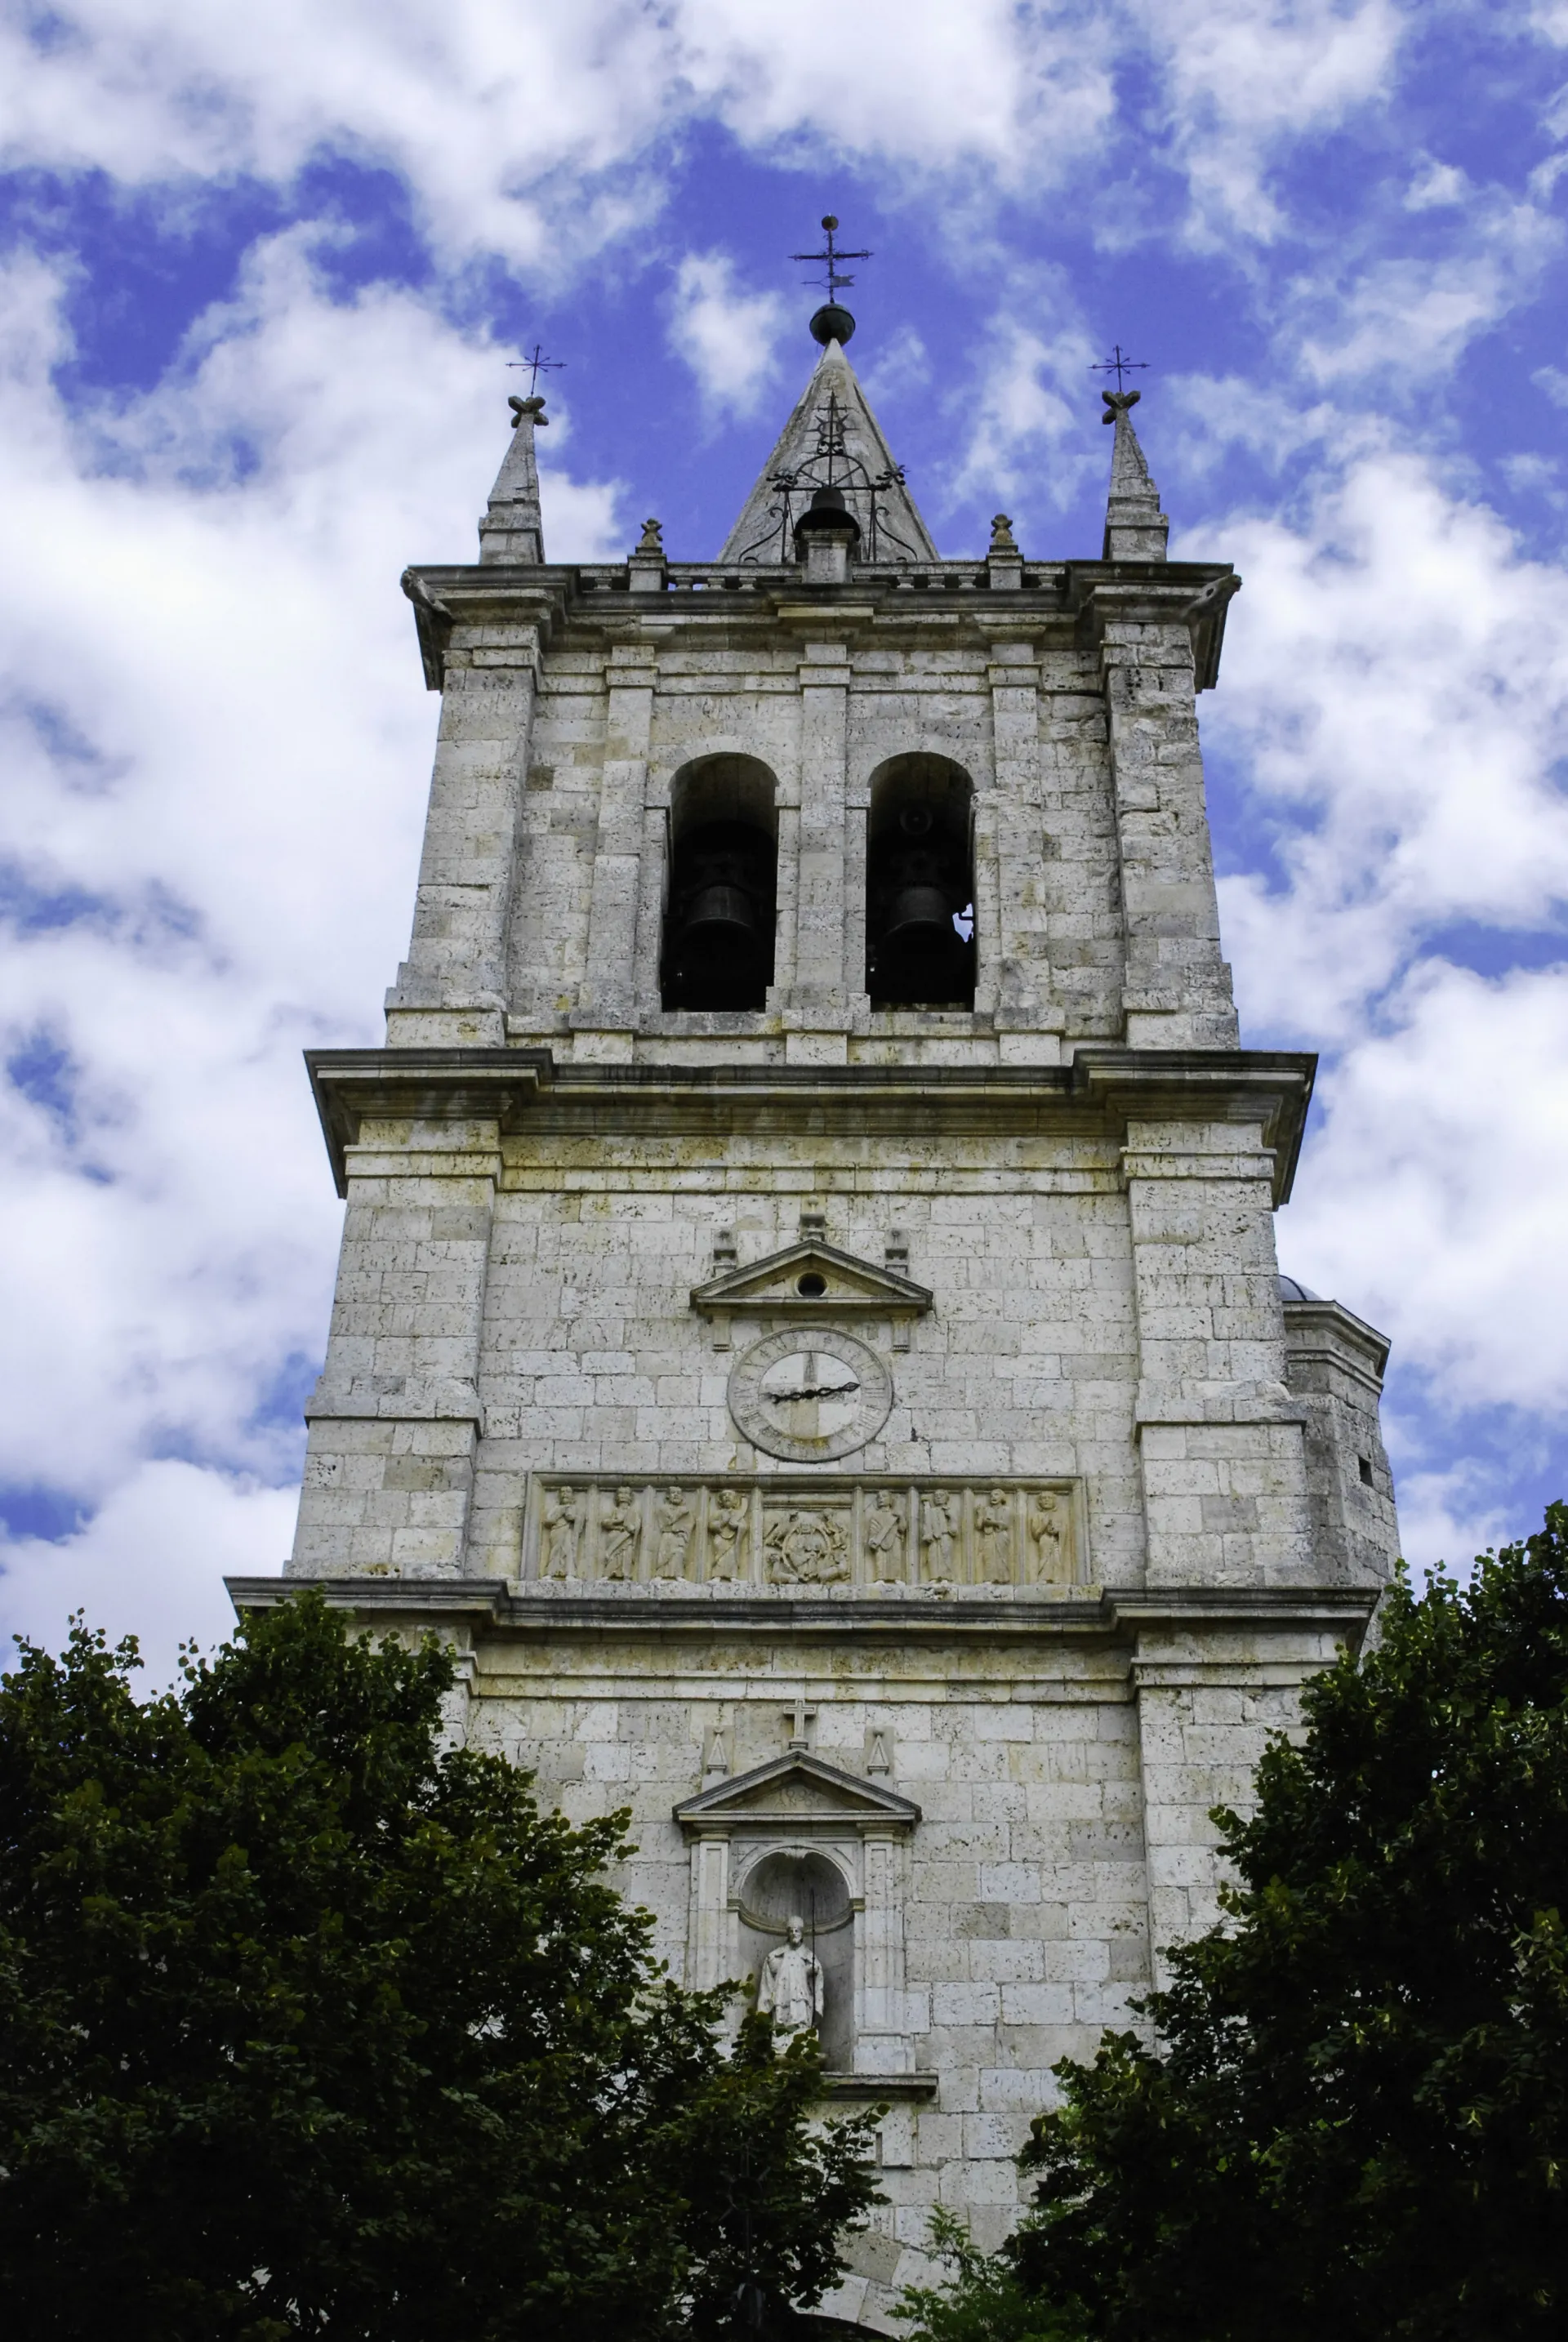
524	1088
1099	1615
880	2086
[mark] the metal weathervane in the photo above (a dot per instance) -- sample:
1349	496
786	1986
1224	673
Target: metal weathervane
1119	364
537	363
836	276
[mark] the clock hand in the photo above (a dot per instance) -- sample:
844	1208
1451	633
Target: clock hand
814	1390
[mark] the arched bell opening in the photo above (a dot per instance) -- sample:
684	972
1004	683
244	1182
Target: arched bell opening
718	943
920	886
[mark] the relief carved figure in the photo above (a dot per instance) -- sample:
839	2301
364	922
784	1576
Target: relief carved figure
938	1531
727	1510
676	1521
1045	1536
807	1549
993	1538
562	1518
620	1536
674	1531
882	1529
789	1989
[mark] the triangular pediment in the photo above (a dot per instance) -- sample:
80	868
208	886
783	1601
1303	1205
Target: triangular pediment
837	1284
833	438
798	1789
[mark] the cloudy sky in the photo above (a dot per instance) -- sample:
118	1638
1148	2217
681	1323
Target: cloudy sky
262	274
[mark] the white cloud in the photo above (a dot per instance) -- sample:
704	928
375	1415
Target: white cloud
1430	1201
1023	409
1395	691
1244	80
1405	320
151	1564
727	337
529	131
219	748
1447	1517
1437	186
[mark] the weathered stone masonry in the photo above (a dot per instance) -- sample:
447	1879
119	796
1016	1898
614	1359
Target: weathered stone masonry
871	1441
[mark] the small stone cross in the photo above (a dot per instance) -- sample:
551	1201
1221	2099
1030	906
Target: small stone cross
799	1717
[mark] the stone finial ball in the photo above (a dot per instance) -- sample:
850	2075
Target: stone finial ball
832	323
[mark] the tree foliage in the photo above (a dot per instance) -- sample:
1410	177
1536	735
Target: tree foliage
982	2299
1355	2119
306	2025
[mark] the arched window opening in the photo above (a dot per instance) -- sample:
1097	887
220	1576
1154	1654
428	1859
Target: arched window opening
919	886
718	947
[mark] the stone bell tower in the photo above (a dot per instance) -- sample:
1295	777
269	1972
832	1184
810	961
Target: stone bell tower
808	1326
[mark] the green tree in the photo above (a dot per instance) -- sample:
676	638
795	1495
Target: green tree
308	2027
1355	2119
983	2299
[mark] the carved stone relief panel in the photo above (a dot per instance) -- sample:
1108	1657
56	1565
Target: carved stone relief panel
789	1531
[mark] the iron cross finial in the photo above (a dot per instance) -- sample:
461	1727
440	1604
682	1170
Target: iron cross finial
1119	364
537	363
835	278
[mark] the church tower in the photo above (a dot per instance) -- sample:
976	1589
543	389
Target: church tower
808	1328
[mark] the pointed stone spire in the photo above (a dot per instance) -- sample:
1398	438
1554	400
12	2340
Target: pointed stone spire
1136	527
832	439
513	529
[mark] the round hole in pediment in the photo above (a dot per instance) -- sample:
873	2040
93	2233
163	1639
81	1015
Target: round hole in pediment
811	1285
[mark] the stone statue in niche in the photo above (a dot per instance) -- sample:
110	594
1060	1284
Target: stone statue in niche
993	1537
882	1531
789	1989
938	1530
676	1522
620	1536
560	1521
1045	1536
727	1509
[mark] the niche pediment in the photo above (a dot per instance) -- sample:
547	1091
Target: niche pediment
798	1793
814	1279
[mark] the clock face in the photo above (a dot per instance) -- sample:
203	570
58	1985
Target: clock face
810	1395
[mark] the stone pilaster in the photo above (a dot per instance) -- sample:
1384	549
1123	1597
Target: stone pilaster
451	989
395	1419
1177	988
606	1012
815	1014
1225	1473
884	2040
1210	1690
1012	961
713	1955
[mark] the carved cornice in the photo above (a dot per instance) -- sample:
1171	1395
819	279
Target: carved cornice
1061	599
1129	1616
1099	1092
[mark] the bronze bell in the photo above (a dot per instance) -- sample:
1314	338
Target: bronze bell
719	948
916	953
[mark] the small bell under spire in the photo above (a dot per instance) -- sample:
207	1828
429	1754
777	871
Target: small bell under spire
512	530
1136	527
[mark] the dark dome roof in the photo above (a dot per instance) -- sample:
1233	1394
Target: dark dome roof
1292	1289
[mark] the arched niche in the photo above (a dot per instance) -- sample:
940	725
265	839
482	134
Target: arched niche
718	936
805	1883
920	885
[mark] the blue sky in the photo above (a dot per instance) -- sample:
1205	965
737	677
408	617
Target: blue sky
261	275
